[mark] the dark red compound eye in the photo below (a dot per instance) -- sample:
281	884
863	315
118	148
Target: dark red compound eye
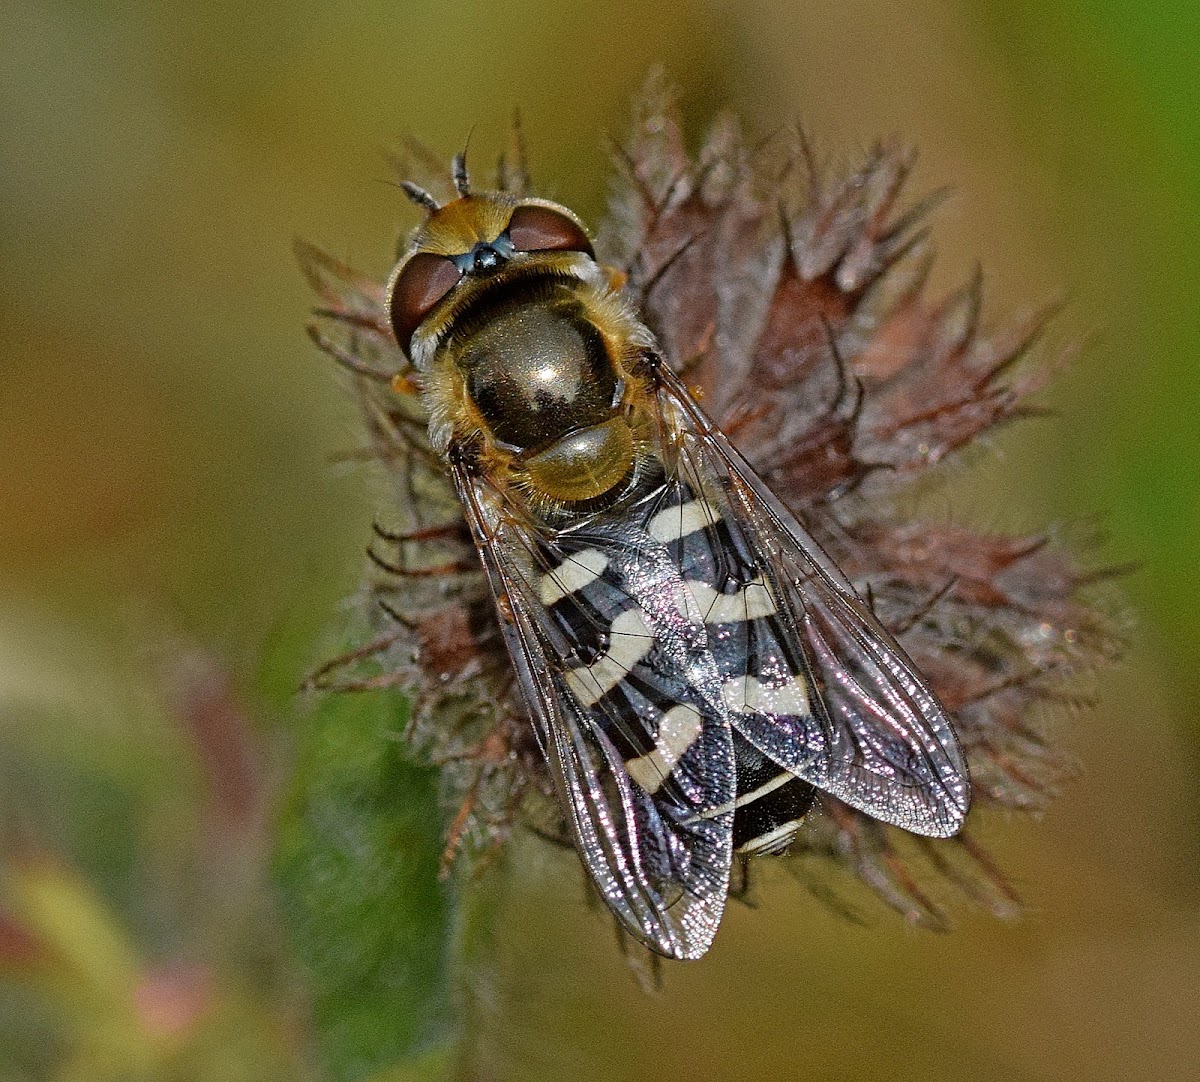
540	229
425	280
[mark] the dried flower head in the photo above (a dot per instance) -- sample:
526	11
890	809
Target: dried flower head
793	301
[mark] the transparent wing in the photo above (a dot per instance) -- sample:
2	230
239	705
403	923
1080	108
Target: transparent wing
643	765
870	731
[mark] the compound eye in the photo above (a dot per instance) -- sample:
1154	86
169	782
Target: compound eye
540	229
425	279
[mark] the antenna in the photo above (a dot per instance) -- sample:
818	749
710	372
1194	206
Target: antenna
462	182
420	196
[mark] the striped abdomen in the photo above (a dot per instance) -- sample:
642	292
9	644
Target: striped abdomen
672	628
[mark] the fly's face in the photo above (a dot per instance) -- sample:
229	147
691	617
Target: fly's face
527	358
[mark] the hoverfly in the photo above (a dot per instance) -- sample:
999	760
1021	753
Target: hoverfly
694	666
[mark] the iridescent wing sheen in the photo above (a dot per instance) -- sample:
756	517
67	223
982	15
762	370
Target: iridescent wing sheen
871	732
626	703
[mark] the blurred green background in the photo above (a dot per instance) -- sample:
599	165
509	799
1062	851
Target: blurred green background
176	527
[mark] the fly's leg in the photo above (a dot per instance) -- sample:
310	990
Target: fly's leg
739	881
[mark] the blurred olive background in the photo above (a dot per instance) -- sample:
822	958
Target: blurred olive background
177	526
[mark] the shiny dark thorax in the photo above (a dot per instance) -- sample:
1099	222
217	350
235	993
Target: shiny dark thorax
540	374
521	341
538	369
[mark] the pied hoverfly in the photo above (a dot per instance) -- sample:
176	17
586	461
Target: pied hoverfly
693	664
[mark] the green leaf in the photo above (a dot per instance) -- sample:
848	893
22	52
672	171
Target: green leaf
357	864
